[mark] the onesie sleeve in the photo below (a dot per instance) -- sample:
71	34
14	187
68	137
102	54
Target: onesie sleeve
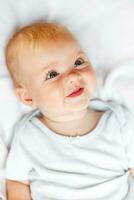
128	136
18	164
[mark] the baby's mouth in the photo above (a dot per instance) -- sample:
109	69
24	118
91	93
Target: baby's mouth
76	93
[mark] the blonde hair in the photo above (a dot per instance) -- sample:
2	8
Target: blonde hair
30	36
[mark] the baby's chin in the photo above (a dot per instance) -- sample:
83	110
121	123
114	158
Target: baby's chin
78	104
67	108
66	111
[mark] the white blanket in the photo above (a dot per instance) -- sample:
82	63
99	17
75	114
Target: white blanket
3	155
105	30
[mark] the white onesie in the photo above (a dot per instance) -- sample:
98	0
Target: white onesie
90	167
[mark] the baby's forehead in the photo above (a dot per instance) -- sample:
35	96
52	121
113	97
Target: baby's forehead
52	53
61	42
47	44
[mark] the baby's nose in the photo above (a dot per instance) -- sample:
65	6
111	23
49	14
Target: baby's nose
73	77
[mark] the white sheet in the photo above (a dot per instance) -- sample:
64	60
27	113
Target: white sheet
105	30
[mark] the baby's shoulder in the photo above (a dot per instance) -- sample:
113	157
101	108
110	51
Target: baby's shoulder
26	118
23	126
122	113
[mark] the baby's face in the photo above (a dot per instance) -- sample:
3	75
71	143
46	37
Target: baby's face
59	77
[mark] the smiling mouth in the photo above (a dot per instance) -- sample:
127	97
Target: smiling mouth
76	93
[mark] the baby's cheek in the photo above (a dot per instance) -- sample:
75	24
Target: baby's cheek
55	96
89	76
90	81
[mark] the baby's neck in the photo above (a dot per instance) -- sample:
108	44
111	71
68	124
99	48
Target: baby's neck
78	126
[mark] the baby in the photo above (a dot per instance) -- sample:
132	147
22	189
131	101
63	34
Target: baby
70	147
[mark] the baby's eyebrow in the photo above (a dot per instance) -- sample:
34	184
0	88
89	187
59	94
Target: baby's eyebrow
81	53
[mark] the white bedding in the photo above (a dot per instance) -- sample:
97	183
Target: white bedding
104	28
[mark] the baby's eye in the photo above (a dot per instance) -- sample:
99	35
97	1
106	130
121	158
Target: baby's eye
51	74
79	62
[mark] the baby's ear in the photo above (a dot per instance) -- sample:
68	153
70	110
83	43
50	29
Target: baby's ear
24	96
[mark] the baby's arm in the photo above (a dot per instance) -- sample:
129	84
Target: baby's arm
18	190
132	171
